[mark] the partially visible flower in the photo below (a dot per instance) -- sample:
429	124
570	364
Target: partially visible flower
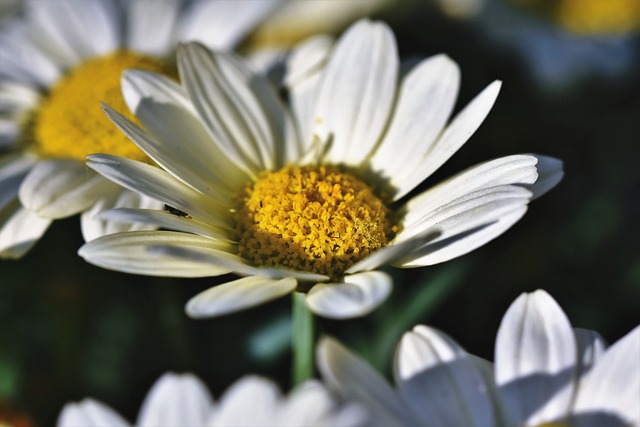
183	400
297	20
314	201
59	61
545	374
565	42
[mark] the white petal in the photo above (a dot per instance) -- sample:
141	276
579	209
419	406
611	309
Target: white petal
516	169
550	173
440	381
60	188
20	229
310	404
151	26
93	225
163	219
591	347
17	97
612	386
304	70
307	58
239	109
157	184
453	137
23	60
535	360
394	251
182	149
233	262
238	295
425	102
358	382
466	224
68	22
181	144
176	400
356	93
89	413
130	252
358	295
222	24
13	169
250	401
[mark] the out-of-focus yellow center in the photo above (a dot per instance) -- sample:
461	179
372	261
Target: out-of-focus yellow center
70	122
311	218
592	16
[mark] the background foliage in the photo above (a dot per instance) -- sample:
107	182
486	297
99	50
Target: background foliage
70	330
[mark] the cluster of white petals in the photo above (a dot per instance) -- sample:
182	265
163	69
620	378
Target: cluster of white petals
252	401
544	372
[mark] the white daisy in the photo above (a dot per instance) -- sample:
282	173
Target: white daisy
183	400
545	374
309	203
58	61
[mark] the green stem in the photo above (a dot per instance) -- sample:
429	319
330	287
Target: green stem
303	340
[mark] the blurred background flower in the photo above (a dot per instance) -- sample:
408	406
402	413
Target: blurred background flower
71	330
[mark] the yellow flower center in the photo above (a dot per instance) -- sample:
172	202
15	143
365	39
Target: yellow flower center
592	16
311	218
70	123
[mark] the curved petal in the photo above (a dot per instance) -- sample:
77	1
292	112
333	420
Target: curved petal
550	173
61	188
304	70
535	360
238	295
357	90
310	404
425	102
176	400
20	229
395	251
23	60
250	401
89	413
358	382
13	169
157	184
517	169
68	22
440	381
591	347
613	384
454	136
358	295
163	219
239	109
180	143
220	25
151	26
93	225
234	263
466	224
130	252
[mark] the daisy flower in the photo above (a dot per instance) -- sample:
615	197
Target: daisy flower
545	374
310	199
58	61
183	400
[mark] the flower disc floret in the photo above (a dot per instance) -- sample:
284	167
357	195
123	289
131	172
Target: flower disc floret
311	218
70	123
